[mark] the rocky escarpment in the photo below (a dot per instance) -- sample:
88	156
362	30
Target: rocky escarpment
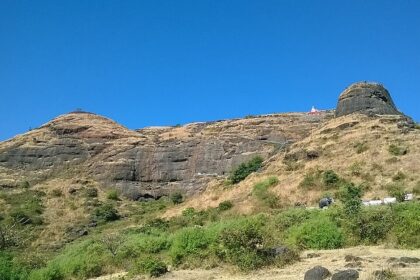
366	98
150	161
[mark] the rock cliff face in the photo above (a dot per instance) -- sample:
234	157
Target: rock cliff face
366	98
150	161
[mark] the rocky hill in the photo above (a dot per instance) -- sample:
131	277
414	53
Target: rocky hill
150	161
71	188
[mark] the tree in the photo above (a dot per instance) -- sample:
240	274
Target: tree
112	242
351	196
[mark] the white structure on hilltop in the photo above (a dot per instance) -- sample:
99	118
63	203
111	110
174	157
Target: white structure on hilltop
314	111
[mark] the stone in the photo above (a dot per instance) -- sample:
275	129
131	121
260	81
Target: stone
72	190
350	274
313	255
409	260
351	258
279	251
353	264
367	98
317	273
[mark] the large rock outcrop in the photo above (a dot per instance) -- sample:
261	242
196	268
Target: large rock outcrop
366	98
150	161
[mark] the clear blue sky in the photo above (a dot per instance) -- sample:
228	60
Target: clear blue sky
155	62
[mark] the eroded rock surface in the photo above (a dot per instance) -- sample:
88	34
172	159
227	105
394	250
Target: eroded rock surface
366	98
150	161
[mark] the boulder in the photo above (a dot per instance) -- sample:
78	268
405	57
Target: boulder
350	274
317	273
366	98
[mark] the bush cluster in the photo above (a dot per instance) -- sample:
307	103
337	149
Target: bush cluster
113	195
152	267
321	179
397	150
241	245
244	169
320	233
225	205
106	213
177	198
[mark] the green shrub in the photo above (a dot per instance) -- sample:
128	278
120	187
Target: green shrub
225	205
137	244
373	224
82	260
106	213
51	272
407	224
9	270
311	179
150	266
260	190
320	179
351	195
191	241
317	233
24	185
193	217
244	169
330	178
154	226
397	150
291	217
113	195
242	243
360	147
177	198
91	192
